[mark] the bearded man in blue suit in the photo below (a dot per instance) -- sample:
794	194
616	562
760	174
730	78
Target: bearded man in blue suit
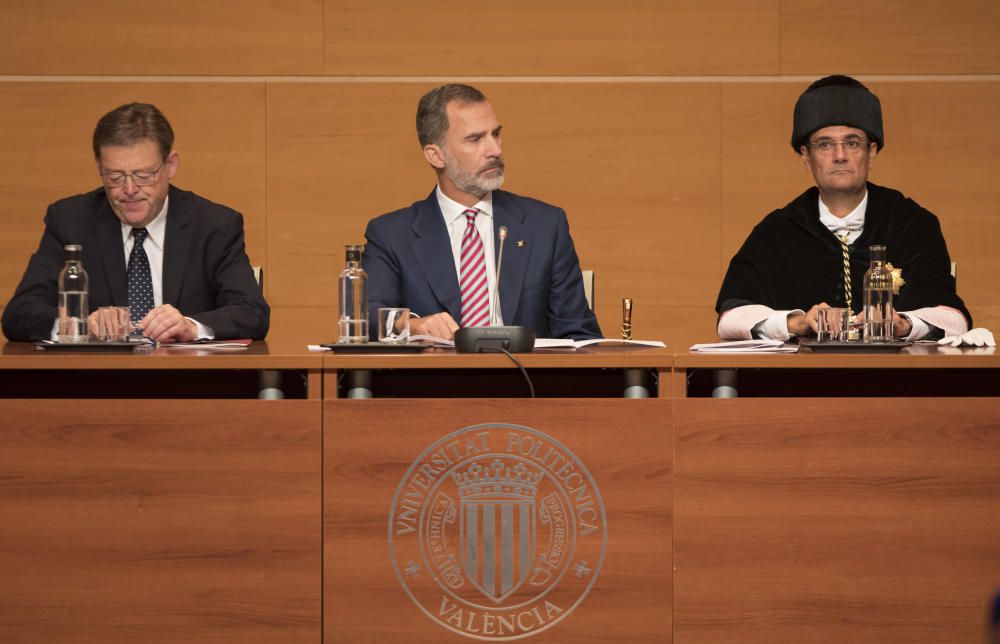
439	257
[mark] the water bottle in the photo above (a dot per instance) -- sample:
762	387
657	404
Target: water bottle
73	295
878	297
353	290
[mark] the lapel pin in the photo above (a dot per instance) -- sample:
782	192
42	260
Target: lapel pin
520	243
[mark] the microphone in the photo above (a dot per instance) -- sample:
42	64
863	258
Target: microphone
495	313
515	339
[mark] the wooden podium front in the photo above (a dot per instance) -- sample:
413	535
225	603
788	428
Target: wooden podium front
497	519
152	498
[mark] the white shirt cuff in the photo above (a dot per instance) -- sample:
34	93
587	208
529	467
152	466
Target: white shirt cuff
203	332
775	327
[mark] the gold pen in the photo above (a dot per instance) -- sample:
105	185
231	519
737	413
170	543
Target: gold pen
626	318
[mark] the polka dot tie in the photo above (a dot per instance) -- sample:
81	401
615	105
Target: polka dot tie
140	279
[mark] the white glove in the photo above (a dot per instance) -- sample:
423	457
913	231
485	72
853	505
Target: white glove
973	338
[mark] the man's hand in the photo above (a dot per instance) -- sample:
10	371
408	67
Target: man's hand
439	325
93	326
901	325
805	323
109	322
166	324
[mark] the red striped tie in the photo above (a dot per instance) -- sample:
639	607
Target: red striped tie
472	277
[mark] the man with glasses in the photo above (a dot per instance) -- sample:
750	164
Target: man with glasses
814	252
176	259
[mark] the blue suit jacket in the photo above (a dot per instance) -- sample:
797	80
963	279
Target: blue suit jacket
409	263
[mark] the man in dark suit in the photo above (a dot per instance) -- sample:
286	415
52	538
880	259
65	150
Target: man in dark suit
440	257
178	260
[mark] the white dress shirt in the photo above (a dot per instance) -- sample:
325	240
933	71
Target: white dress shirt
154	246
456	222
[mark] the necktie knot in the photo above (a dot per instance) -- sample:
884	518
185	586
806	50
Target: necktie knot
139	235
470	216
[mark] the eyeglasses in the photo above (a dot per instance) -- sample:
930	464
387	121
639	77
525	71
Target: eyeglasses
139	178
827	146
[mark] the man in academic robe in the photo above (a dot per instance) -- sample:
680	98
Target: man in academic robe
813	253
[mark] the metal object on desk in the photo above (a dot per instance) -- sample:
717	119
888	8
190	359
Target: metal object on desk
626	318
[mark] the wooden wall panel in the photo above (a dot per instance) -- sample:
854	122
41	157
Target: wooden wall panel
160	521
872	520
183	37
890	37
338	155
941	142
577	37
939	151
47	130
341	153
635	166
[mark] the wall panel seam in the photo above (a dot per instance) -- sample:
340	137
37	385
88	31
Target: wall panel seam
793	79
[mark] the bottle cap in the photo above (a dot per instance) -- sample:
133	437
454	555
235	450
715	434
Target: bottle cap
353	252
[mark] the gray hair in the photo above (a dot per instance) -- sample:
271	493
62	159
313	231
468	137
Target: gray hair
432	111
132	123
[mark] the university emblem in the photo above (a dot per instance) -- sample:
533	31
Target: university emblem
497	532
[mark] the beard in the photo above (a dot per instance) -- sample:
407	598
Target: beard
476	183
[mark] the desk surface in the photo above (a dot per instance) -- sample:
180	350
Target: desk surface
587	358
918	356
259	355
292	355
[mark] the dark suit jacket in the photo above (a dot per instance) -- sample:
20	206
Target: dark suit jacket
409	263
206	272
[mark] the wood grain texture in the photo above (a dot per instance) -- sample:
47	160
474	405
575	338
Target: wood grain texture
890	37
862	521
170	521
184	37
368	446
219	133
575	37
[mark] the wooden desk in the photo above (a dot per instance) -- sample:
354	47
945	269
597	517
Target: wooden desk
144	498
919	370
806	514
592	371
167	504
588	547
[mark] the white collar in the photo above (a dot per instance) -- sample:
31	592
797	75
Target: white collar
452	210
854	221
157	228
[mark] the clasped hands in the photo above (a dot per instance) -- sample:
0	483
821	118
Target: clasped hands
806	324
162	324
439	325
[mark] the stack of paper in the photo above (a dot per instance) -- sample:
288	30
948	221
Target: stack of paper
566	343
746	346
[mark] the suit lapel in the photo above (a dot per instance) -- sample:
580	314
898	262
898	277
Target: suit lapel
516	252
176	246
109	237
432	250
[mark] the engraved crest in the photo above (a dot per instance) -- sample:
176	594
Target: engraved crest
497	532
